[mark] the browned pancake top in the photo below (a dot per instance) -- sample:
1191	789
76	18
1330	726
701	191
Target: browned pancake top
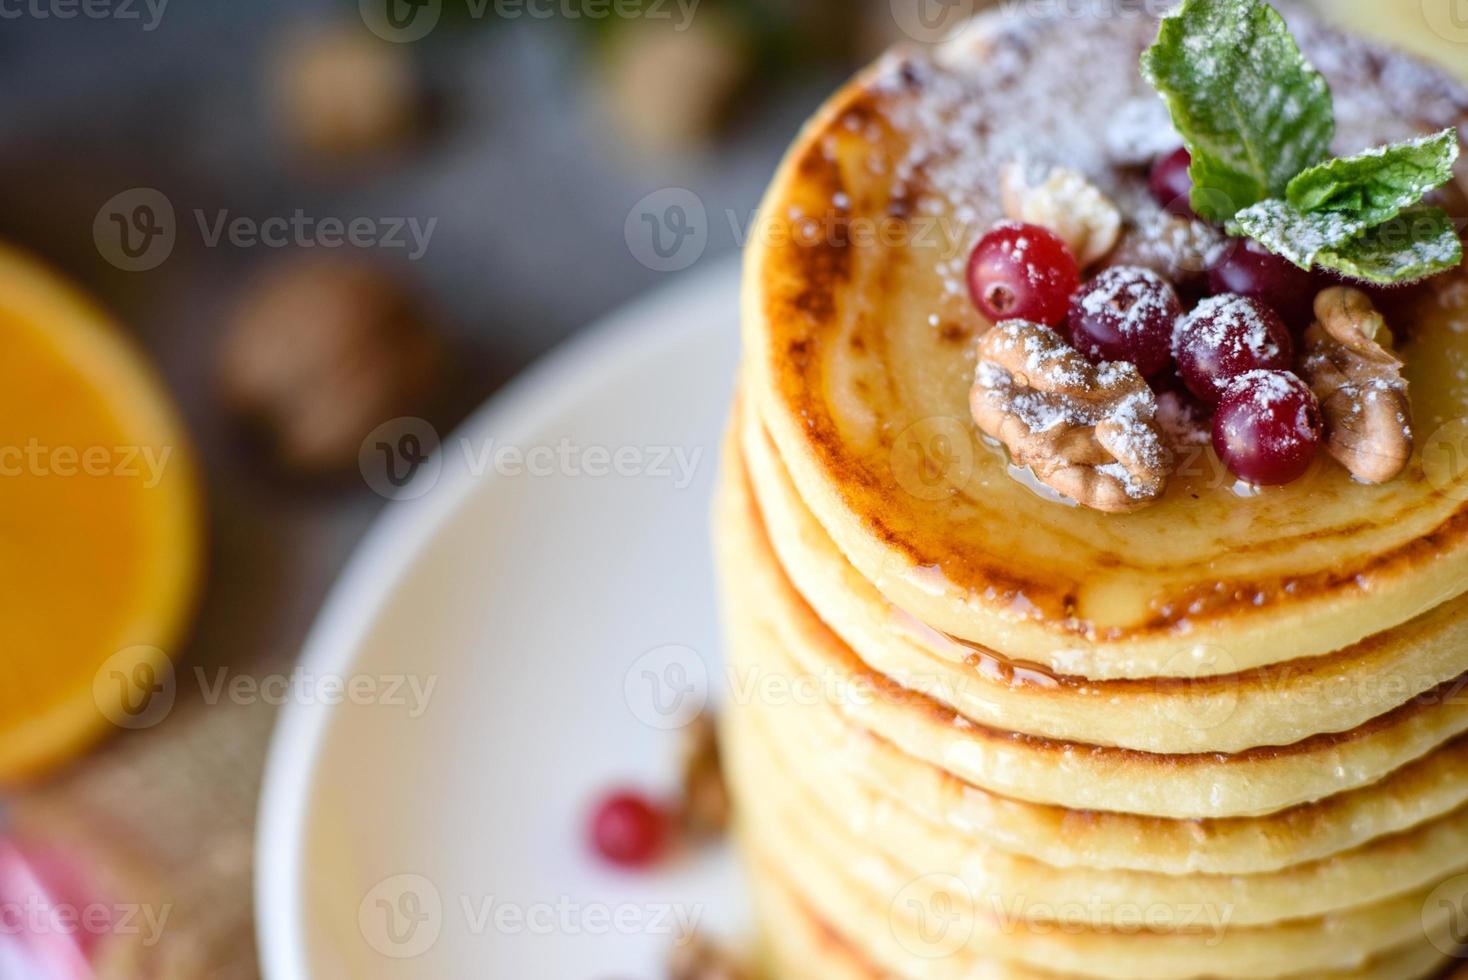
868	340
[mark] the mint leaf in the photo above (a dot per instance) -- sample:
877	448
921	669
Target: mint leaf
1376	185
1250	108
1421	242
1300	236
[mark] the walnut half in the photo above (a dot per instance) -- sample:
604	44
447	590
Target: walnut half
1359	383
1087	431
1066	203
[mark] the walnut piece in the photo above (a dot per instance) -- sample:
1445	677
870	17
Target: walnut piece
322	350
1066	203
342	92
667	88
1358	381
704	810
1087	431
697	958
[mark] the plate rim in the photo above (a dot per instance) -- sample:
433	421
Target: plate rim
388	554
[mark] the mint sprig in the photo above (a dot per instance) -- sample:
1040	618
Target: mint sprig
1300	236
1421	242
1250	108
1376	185
1258	120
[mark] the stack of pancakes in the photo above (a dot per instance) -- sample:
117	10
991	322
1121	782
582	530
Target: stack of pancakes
976	731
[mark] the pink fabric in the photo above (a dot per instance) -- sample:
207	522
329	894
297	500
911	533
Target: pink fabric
40	929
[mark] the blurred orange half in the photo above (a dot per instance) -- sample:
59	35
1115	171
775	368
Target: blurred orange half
100	526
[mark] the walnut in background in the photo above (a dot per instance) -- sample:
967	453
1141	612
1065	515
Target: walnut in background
343	92
666	86
321	351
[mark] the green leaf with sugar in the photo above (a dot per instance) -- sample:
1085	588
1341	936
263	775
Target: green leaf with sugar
1300	236
1250	108
1420	242
1376	185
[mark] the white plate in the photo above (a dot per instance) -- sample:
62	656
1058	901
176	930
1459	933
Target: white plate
567	622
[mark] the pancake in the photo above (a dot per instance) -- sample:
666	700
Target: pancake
808	947
1429	790
1275	705
860	357
772	632
886	905
1387	867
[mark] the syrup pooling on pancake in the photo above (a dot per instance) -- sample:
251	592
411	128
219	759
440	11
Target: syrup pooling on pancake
1273	705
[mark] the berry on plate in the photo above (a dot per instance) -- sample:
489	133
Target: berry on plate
629	830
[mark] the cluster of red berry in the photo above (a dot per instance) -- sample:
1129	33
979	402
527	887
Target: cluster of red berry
1233	352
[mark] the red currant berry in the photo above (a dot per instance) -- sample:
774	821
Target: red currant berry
1226	336
1022	272
1126	313
1249	269
1170	184
1267	427
629	830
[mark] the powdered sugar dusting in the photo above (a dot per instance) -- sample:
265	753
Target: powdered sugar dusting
1064	90
1230	324
1139	295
